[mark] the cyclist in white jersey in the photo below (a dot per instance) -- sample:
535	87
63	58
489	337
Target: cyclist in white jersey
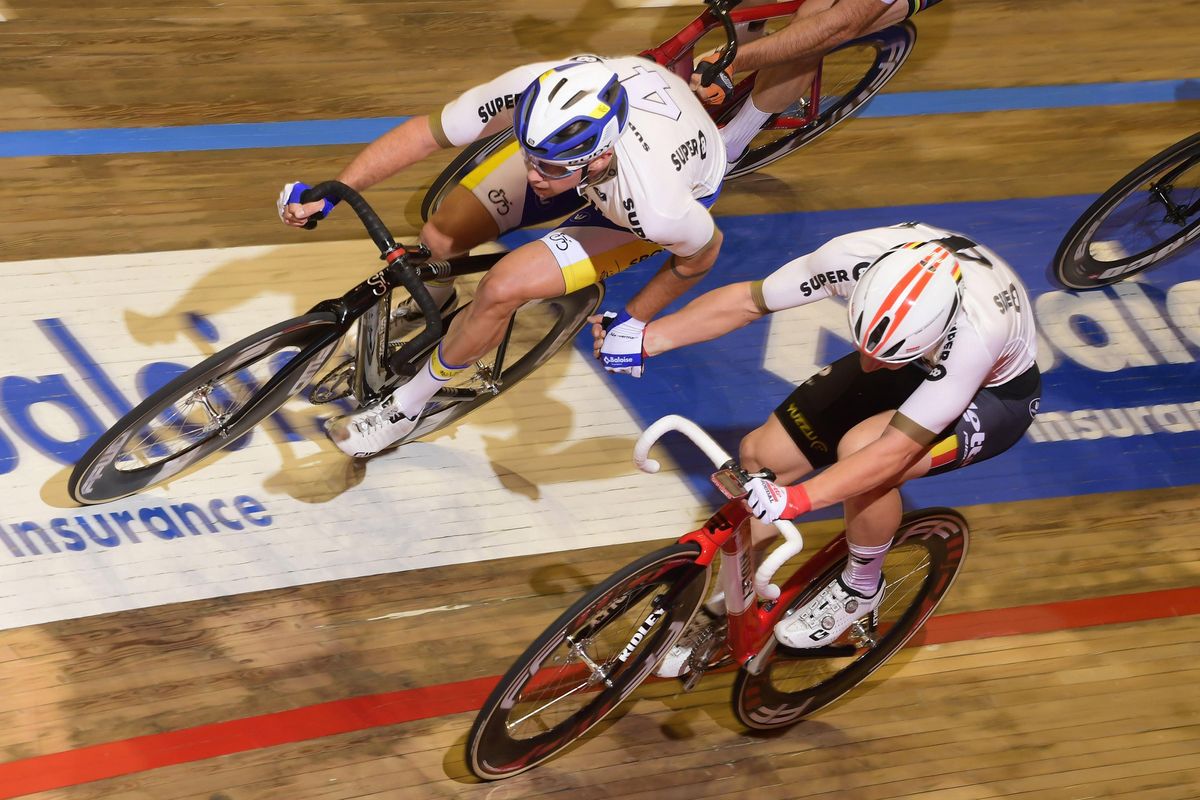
944	376
621	141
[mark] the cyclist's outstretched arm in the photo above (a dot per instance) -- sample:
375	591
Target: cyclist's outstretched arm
404	145
401	147
710	316
679	274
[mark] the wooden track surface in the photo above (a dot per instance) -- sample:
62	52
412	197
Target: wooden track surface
1108	711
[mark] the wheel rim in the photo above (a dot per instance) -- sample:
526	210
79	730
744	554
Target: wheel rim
850	76
920	568
579	673
196	416
1159	215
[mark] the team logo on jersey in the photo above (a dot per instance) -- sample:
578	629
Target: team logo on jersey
1034	406
635	225
936	373
500	200
696	146
497	104
1009	298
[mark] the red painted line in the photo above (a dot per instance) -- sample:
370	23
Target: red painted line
142	753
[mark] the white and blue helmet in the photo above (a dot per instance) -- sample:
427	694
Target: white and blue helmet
571	113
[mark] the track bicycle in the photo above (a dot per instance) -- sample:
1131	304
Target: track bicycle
211	405
609	641
848	77
1149	215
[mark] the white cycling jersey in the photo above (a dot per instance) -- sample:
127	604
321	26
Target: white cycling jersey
669	155
991	341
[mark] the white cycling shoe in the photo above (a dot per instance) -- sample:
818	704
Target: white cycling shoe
374	428
827	616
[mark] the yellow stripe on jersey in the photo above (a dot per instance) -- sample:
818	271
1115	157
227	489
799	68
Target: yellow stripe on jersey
490	165
597	267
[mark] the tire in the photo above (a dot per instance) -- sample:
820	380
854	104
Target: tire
1098	250
541	330
636	614
248	378
470	158
921	567
850	76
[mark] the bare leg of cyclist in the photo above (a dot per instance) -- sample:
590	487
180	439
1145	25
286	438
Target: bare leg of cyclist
460	223
871	521
527	273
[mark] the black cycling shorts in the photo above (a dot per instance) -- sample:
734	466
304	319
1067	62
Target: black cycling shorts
822	409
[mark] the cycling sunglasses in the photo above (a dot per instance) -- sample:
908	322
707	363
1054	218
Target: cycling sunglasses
549	170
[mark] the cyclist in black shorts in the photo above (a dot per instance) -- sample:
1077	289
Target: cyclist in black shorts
944	376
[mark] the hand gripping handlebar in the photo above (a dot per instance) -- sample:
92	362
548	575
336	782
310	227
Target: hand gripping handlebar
793	543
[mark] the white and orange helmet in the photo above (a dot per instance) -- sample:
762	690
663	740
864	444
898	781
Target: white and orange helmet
905	302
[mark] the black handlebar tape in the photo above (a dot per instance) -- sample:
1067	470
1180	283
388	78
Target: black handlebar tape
336	190
710	70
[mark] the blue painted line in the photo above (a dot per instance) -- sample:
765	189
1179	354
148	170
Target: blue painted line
1024	98
242	136
237	136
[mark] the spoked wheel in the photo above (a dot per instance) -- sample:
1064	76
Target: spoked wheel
920	568
204	409
850	76
589	660
539	330
1151	213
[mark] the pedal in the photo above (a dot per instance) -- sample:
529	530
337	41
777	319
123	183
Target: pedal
483	374
865	632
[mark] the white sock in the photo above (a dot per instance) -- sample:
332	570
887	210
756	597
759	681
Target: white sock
440	290
716	603
412	396
744	126
865	568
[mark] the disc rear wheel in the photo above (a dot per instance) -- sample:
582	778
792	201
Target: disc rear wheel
920	568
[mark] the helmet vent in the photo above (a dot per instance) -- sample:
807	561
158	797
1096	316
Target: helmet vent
875	336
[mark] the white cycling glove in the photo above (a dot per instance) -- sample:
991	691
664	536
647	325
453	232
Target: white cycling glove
622	350
769	501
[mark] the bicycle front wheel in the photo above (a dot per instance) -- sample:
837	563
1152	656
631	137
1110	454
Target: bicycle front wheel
850	76
588	660
920	568
1151	213
205	409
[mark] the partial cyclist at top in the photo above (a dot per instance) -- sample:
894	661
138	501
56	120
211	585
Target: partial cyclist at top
620	144
788	60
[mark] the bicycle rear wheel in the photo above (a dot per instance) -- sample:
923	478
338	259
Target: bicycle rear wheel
850	76
1150	214
206	408
471	157
920	568
588	660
